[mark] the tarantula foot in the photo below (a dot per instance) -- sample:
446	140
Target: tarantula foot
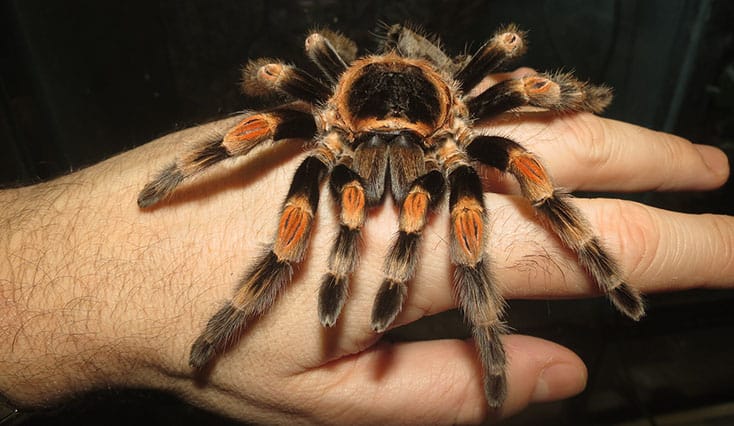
332	296
388	302
628	301
201	353
495	389
160	187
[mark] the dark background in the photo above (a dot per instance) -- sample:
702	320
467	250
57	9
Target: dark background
83	80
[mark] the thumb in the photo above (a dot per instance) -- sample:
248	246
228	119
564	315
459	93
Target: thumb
440	381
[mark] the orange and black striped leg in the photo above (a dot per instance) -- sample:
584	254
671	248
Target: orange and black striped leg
262	77
506	44
253	130
260	287
562	217
348	190
423	195
476	294
558	92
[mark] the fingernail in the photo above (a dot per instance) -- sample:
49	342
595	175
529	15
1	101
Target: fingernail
558	381
715	159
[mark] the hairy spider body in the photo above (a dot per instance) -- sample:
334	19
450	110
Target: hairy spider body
398	122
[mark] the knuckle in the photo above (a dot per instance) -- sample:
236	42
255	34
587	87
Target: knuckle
587	138
592	137
720	250
635	233
673	157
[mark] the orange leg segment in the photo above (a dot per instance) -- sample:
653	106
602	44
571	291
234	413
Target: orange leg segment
348	191
260	287
476	294
562	217
402	258
290	121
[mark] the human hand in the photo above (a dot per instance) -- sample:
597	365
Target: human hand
140	285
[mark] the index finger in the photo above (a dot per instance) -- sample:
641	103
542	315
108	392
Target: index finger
438	381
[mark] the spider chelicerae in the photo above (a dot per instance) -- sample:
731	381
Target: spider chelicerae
400	121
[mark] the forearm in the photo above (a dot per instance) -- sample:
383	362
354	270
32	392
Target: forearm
96	292
59	243
82	274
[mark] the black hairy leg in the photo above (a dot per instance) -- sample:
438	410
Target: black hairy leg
506	44
474	286
260	287
423	195
557	92
287	122
264	76
348	191
562	217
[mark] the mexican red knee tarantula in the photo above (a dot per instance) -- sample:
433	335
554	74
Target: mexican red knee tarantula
398	121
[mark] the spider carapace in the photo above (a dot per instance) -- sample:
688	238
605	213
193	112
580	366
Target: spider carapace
400	121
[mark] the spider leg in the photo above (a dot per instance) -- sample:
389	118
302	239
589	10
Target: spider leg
264	76
558	92
260	287
344	46
422	196
348	189
355	186
322	53
562	217
415	191
476	294
506	44
285	122
410	43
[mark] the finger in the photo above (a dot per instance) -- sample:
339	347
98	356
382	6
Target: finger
439	381
609	155
664	250
658	250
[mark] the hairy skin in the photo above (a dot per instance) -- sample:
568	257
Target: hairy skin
95	292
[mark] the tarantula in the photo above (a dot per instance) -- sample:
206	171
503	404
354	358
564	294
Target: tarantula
400	121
